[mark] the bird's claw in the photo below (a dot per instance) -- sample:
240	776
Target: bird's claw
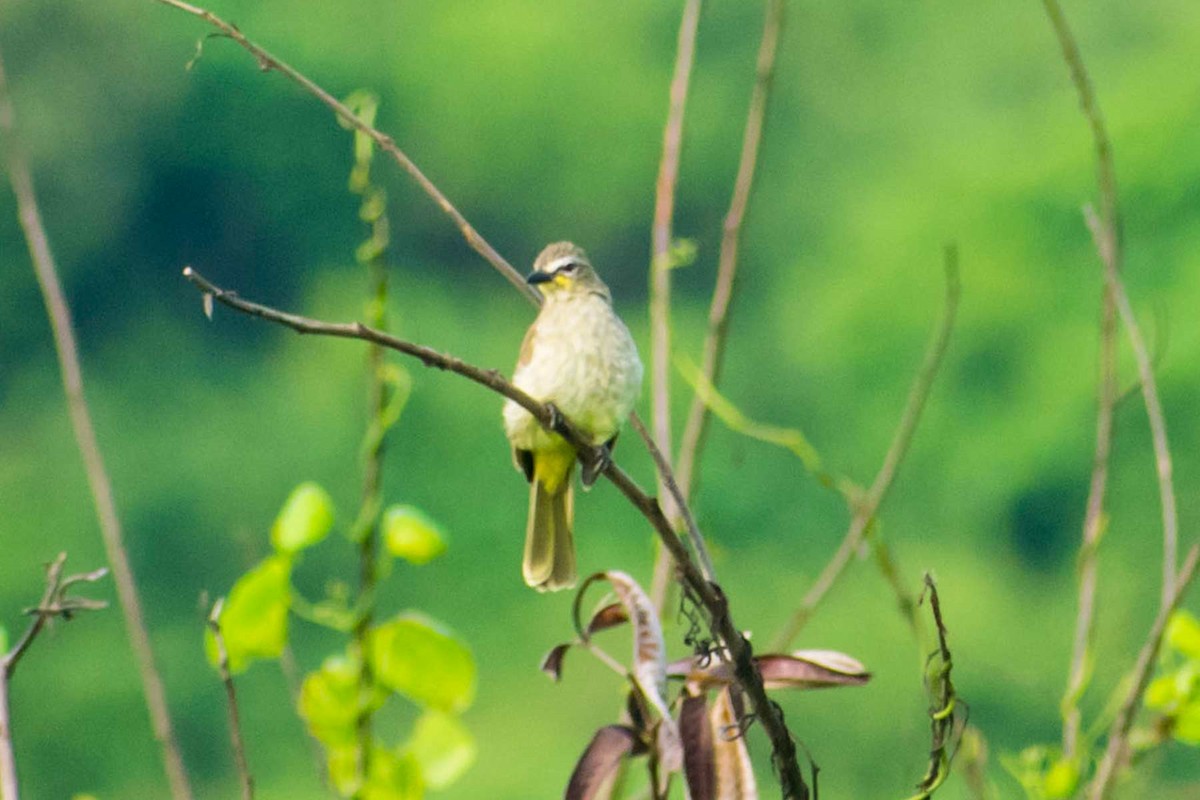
557	421
594	467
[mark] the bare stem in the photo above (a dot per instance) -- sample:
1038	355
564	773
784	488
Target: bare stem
1093	525
718	313
661	265
865	505
1118	734
709	594
54	603
85	437
1106	233
268	62
231	704
664	210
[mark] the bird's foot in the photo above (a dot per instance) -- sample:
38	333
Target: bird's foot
557	422
594	467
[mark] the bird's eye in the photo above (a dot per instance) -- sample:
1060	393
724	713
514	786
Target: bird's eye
568	268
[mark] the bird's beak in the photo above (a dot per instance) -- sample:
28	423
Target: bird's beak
536	277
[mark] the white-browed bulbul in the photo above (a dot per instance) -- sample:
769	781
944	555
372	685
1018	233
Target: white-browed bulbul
579	356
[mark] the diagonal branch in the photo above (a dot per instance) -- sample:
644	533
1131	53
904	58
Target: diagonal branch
245	782
268	63
89	449
1118	734
865	505
718	313
708	593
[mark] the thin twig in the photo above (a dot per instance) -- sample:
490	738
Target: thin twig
668	480
54	603
1118	734
664	210
865	505
710	595
85	437
660	270
1106	233
1154	411
1093	526
231	704
692	442
268	62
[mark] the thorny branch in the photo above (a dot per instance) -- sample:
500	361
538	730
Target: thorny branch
709	594
268	63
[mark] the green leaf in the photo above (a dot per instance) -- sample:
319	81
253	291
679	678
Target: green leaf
1187	724
1162	692
1183	634
415	657
1061	779
304	520
330	701
443	747
254	618
410	534
393	777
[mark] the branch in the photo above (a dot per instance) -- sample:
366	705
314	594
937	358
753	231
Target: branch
1118	734
85	437
864	506
54	603
235	725
1106	234
709	594
718	312
268	63
664	209
661	266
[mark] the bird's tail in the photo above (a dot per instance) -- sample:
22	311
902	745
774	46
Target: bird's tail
549	544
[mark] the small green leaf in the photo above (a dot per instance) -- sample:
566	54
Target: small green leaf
304	520
1061	779
330	701
409	534
1161	693
1187	724
443	747
393	777
1183	634
415	657
254	619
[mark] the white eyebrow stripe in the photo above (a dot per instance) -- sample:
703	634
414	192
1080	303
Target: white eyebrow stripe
559	263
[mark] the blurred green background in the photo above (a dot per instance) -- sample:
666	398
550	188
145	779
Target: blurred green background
892	130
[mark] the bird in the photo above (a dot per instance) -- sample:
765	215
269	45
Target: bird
578	356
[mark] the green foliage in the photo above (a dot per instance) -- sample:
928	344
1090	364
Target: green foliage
410	534
443	747
331	701
1044	773
415	657
390	776
254	618
1175	691
304	520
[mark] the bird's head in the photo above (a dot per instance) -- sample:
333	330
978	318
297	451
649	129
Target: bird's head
562	270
